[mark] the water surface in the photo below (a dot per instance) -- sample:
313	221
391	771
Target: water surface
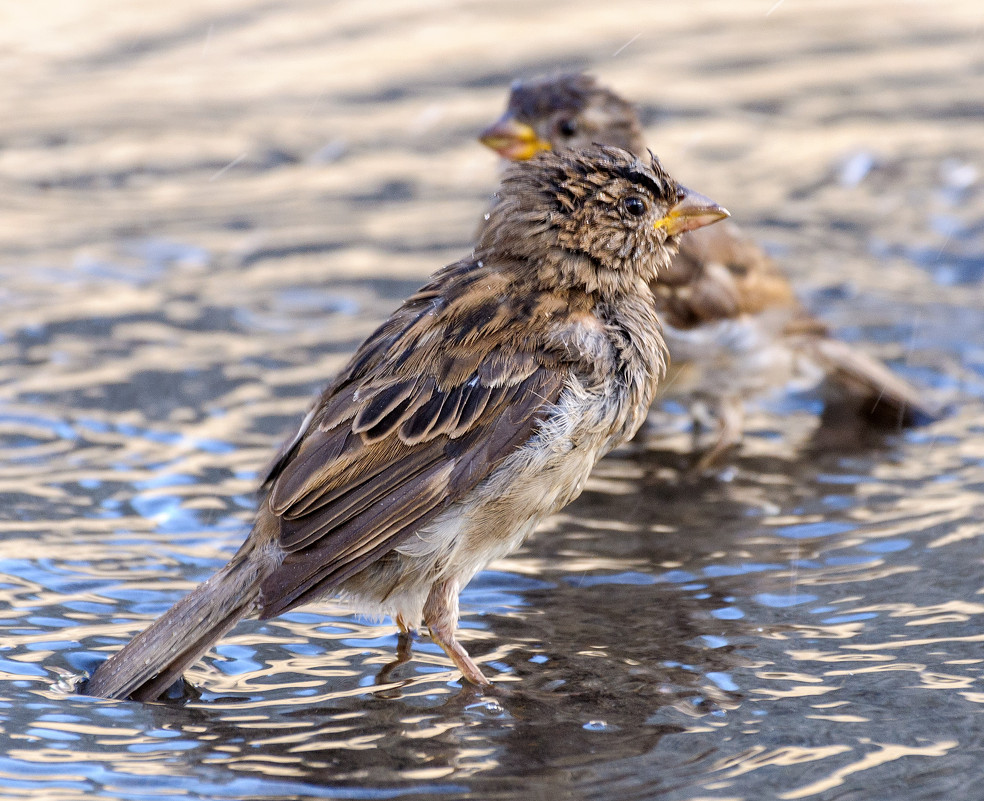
206	209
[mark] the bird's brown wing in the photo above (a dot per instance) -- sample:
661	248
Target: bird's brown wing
720	274
427	408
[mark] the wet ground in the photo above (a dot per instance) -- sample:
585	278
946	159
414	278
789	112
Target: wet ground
204	207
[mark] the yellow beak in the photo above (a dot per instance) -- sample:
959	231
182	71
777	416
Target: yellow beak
691	211
513	139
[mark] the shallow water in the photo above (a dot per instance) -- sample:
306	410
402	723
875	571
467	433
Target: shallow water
203	218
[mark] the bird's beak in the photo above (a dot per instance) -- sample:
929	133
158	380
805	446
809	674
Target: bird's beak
691	211
513	139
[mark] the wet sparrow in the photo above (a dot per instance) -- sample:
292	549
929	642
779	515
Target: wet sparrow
732	324
477	409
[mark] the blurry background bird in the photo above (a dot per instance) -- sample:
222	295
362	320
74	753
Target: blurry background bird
733	324
476	410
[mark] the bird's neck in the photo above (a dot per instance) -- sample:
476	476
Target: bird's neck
637	335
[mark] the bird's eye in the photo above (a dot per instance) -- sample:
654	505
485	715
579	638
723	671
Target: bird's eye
634	205
567	127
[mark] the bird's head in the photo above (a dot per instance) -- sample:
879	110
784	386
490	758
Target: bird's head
563	111
598	218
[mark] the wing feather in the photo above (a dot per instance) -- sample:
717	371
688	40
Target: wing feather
720	274
392	445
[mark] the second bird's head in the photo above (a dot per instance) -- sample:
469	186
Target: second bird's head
562	111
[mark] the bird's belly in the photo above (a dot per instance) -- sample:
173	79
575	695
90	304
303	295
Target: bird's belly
494	519
744	356
509	506
536	480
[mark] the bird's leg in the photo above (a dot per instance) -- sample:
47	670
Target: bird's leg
441	616
701	419
404	650
730	415
404	642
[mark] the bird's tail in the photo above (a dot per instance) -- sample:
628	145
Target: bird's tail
869	386
155	658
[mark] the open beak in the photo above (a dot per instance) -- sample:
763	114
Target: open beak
513	139
691	211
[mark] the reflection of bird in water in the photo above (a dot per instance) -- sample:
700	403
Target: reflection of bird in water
731	321
475	411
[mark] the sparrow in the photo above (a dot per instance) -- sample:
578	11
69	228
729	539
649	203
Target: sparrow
477	409
731	320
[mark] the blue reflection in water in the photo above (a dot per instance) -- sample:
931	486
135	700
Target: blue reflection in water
849	618
627	577
805	531
724	681
886	546
778	601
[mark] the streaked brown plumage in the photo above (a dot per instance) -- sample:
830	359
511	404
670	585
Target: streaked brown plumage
732	323
478	408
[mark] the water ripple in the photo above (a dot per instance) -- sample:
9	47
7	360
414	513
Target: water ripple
244	192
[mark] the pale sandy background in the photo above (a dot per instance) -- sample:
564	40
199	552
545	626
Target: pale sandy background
179	120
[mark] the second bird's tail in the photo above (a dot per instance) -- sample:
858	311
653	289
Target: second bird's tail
877	392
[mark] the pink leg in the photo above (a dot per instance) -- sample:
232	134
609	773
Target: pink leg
404	651
441	616
731	425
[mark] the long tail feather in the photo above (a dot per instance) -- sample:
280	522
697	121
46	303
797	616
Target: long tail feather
155	658
875	390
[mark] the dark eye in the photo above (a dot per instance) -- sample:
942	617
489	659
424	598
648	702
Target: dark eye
567	127
635	206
